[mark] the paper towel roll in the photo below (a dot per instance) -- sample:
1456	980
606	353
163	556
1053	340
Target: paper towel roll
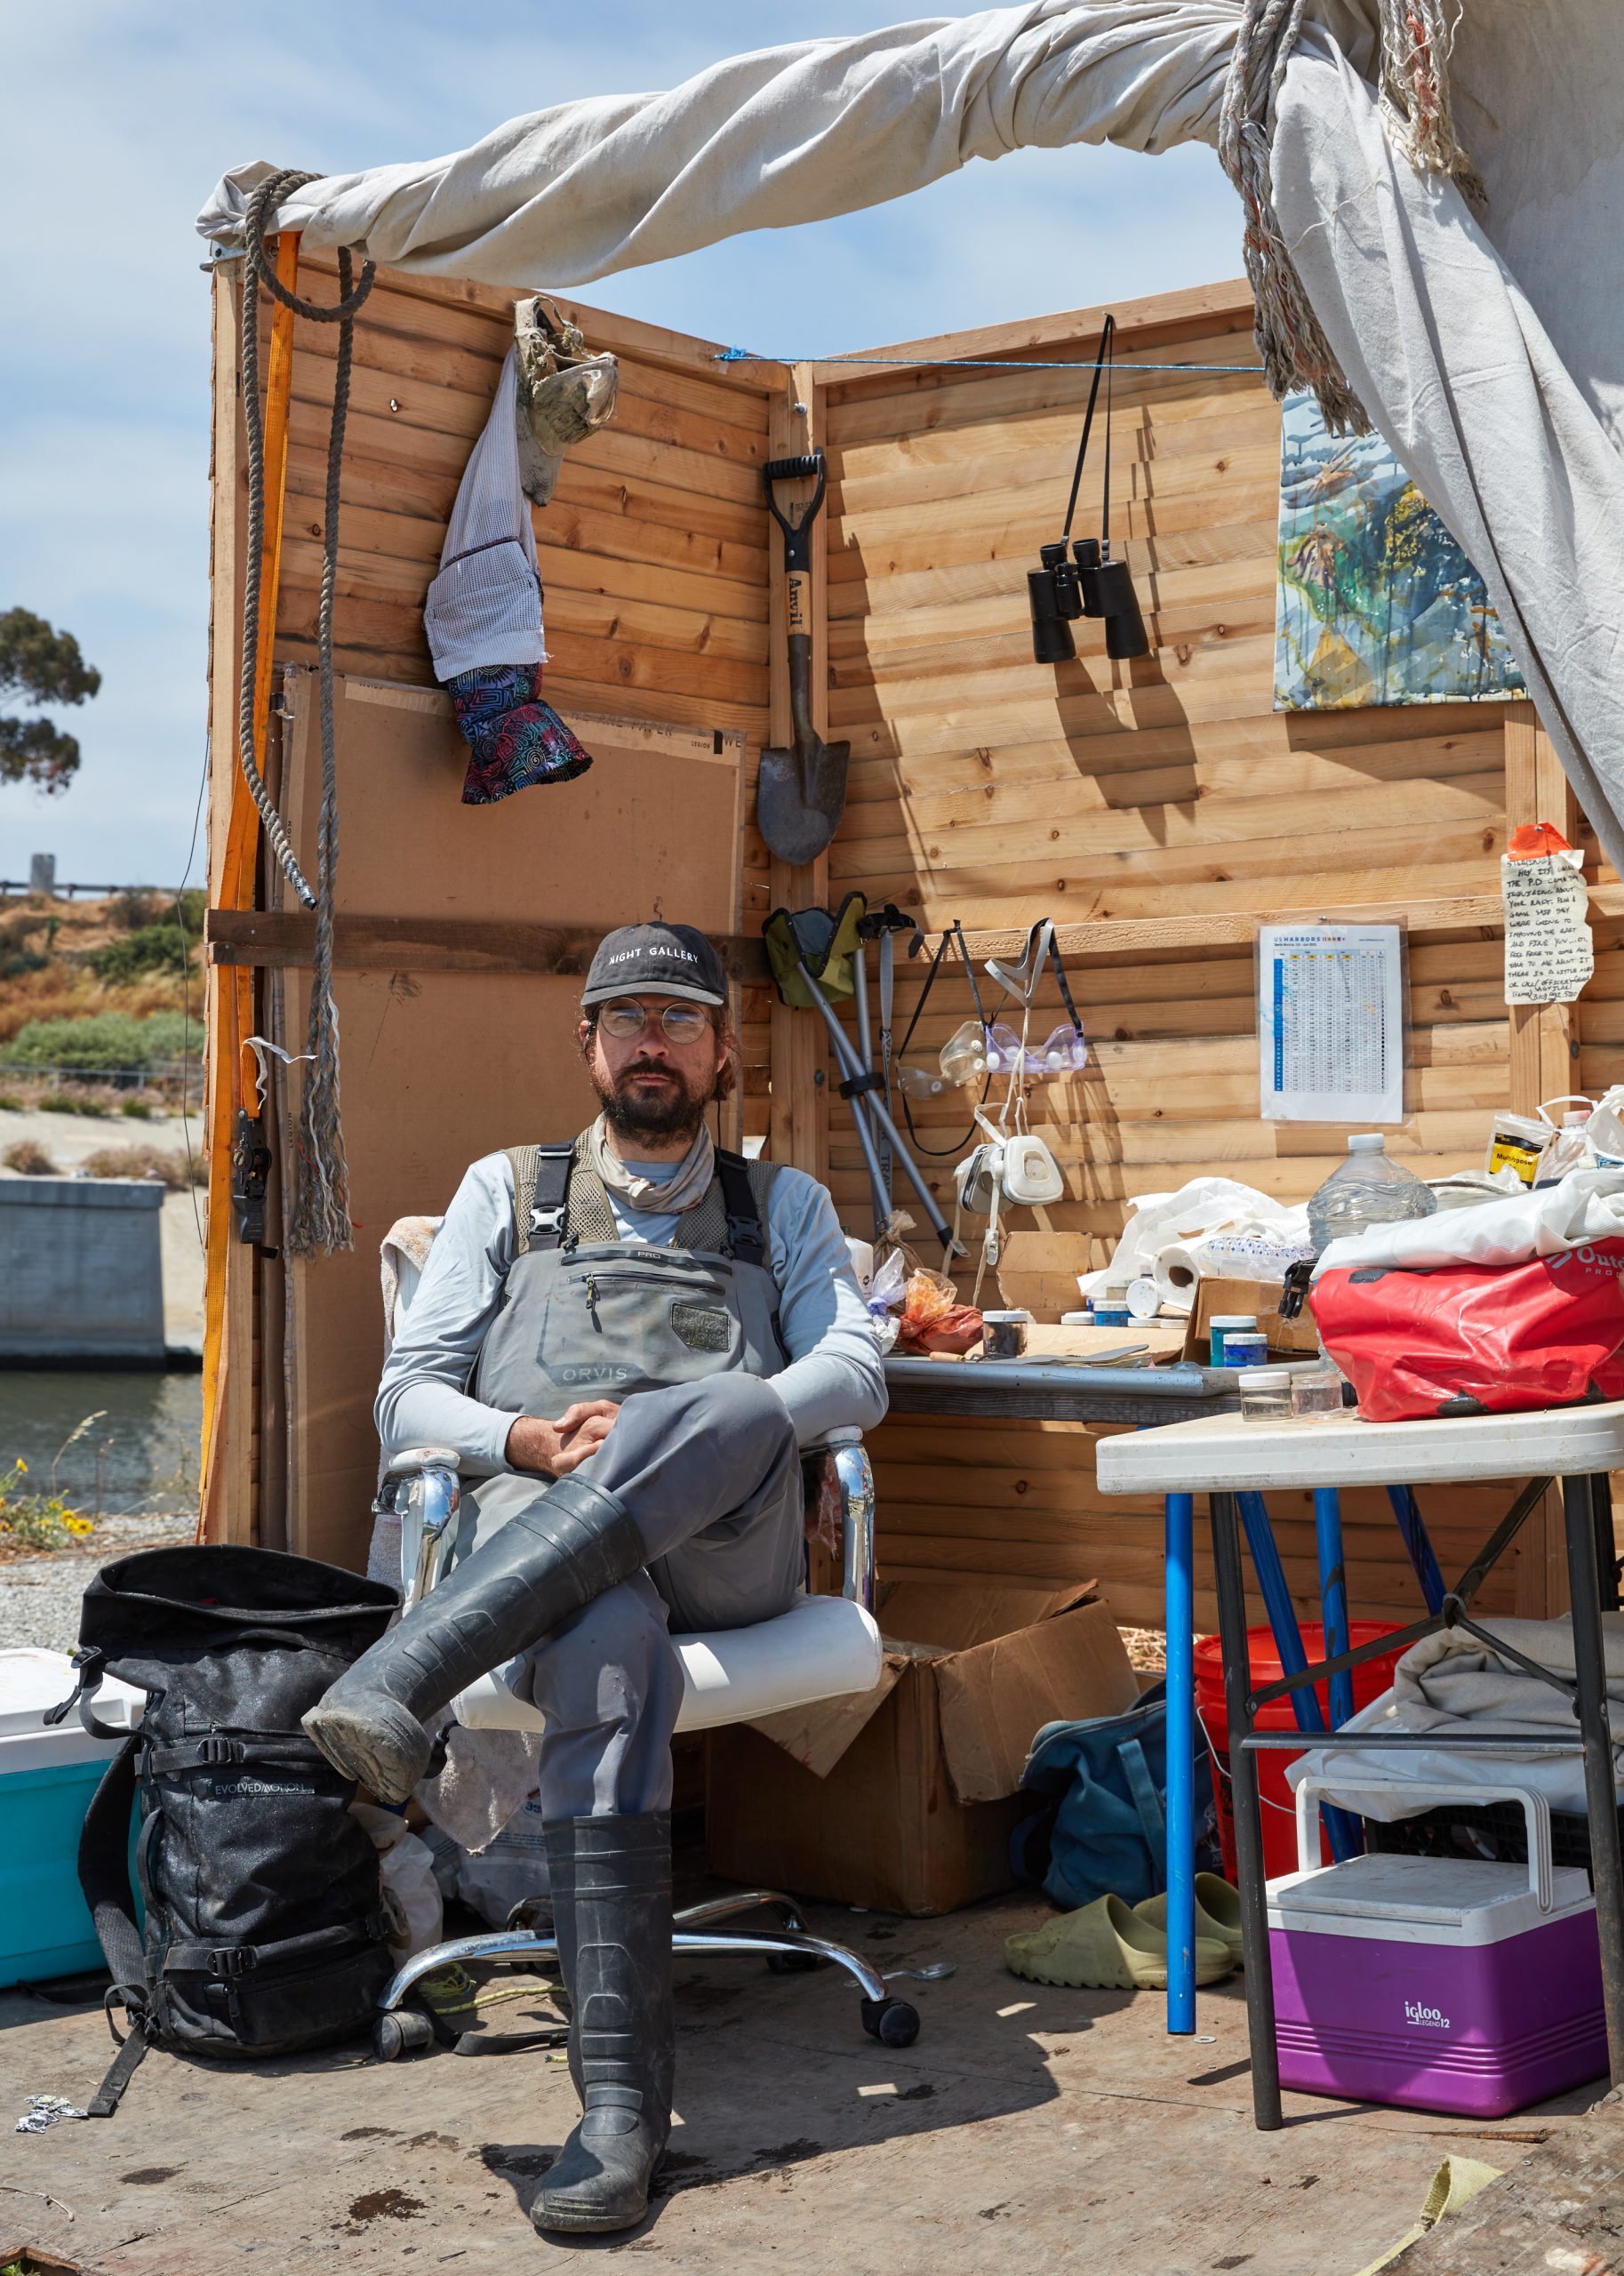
1177	1275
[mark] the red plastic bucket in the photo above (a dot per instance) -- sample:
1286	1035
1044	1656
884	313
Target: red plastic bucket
1279	1803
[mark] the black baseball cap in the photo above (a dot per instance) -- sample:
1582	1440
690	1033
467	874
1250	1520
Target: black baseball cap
667	959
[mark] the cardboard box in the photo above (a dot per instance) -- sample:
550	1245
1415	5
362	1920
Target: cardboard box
1294	1339
904	1799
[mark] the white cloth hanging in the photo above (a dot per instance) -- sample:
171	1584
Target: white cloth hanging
484	607
1489	354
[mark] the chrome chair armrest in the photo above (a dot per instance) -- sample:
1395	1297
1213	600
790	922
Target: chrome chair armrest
422	1488
856	1478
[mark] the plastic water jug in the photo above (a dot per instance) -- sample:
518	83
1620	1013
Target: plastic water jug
1365	1190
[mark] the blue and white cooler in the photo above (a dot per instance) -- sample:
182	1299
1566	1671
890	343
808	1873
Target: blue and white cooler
47	1778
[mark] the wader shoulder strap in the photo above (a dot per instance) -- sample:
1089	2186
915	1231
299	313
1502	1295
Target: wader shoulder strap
744	1198
104	1876
541	1193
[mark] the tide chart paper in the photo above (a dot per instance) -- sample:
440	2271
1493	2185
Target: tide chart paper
1330	1037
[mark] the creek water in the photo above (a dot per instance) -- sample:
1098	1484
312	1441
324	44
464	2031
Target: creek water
139	1447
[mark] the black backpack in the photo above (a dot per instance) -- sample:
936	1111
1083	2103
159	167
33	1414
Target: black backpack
264	1929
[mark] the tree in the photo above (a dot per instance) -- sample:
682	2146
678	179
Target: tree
41	666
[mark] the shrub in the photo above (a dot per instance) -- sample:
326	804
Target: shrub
11	1102
30	1157
35	1520
76	1102
107	1043
150	947
134	911
138	1111
177	1171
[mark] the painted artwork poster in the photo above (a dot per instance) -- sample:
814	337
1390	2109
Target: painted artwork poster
1375	601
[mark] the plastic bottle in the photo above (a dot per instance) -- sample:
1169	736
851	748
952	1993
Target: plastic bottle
1569	1150
1365	1190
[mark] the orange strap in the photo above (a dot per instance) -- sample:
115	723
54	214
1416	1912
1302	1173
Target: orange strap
233	1077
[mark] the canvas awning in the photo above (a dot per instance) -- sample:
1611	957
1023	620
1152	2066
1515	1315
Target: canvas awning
1489	351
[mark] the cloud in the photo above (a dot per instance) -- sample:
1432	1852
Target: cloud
117	115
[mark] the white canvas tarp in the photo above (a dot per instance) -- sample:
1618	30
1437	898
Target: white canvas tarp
1489	352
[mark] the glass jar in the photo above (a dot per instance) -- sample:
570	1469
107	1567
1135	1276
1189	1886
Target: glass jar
1318	1392
1266	1395
1004	1335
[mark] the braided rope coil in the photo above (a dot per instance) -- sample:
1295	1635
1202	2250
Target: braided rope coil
318	1222
1417	37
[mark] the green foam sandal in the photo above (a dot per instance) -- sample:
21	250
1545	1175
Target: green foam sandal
1218	1914
1106	1946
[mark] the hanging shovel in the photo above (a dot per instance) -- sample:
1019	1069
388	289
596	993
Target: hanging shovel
802	792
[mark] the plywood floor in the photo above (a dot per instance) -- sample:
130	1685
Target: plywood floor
1028	2127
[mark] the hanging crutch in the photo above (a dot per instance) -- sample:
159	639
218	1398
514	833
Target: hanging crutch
814	954
882	926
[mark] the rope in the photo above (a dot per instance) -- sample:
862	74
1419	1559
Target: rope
1290	340
966	363
1417	37
319	1222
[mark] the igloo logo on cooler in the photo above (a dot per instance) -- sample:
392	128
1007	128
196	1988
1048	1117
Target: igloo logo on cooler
1427	2018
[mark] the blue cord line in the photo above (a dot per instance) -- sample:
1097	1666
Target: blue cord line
968	363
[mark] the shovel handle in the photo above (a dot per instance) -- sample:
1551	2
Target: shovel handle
797	535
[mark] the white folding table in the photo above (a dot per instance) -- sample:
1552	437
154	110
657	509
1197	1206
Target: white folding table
1227	1456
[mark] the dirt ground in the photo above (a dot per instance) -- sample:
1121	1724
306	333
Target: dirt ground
1027	2128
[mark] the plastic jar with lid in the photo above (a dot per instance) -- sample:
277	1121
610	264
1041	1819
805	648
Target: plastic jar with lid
1220	1325
1266	1394
1004	1335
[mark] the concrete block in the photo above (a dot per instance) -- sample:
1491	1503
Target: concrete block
80	1271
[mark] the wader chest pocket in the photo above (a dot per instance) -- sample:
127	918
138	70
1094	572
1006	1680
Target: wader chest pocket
615	1326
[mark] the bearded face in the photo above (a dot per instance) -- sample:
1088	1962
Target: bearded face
650	1087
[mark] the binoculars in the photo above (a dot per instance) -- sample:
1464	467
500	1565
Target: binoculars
1089	584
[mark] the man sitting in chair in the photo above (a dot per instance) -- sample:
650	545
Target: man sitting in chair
628	1340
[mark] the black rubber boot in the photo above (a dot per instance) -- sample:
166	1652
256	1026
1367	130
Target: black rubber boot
611	1888
545	1563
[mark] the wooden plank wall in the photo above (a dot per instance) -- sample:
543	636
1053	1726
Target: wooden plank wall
653	550
1155	809
655	559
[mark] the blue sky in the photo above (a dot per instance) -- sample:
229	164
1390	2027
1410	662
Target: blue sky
117	115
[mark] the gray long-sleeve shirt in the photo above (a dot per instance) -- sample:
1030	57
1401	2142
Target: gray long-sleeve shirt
835	1376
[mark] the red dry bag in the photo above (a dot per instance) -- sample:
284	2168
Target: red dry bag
1453	1338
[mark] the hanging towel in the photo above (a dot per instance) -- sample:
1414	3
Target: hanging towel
484	607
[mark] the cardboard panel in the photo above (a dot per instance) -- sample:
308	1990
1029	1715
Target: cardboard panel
438	1068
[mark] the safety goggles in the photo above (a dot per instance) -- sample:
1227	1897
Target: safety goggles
626	1019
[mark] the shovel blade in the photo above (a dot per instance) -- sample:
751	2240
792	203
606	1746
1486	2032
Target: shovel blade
800	799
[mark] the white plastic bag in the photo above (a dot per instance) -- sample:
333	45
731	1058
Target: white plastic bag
1207	1205
1587	1206
508	1870
411	1893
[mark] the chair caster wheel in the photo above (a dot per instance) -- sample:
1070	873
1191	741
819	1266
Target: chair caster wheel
404	2030
792	1963
892	2022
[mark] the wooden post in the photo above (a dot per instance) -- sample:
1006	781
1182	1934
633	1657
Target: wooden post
799	1126
1544	1063
226	1510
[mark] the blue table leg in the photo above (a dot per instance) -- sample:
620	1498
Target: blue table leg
1288	1643
1334	1597
1181	1618
1419	1546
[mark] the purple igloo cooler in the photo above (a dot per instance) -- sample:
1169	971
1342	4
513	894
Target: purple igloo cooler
1447	1983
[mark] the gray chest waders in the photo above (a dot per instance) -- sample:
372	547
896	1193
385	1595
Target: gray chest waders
584	1315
